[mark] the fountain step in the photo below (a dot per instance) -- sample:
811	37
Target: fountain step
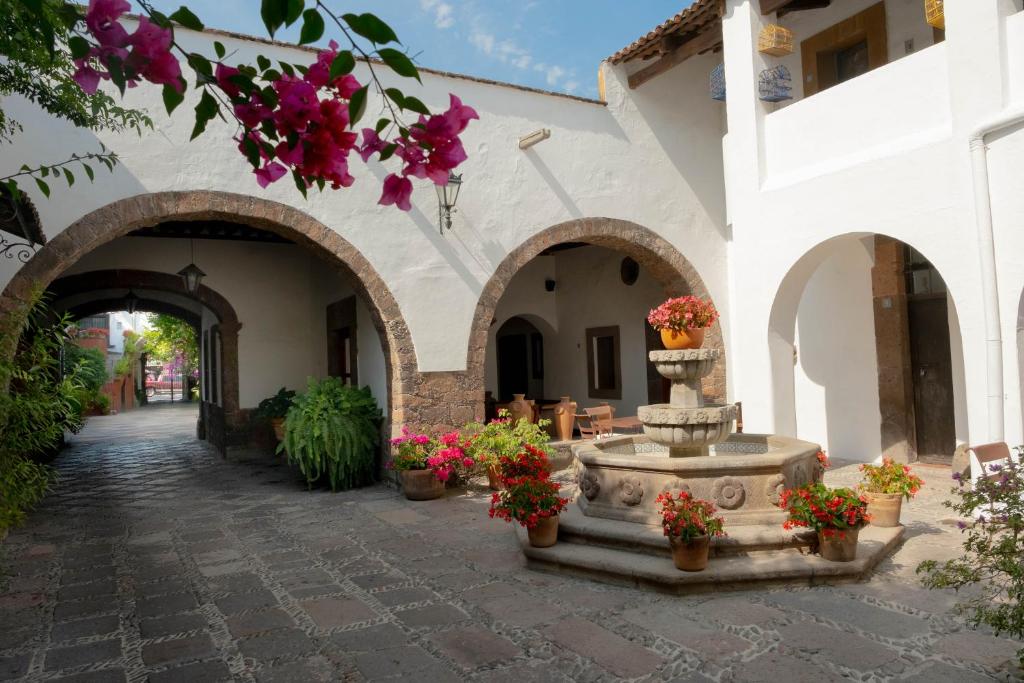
575	527
728	572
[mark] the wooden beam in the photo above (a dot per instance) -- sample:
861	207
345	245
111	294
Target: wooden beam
769	6
699	43
786	6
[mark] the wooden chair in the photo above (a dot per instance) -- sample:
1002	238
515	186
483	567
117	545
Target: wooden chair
984	456
595	423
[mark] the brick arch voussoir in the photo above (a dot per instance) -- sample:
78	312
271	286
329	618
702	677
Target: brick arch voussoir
654	253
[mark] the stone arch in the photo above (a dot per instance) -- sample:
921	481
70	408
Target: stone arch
654	253
125	215
126	278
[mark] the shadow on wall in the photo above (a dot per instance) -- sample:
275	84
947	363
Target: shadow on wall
545	172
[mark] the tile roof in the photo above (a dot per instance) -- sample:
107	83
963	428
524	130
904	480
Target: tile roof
691	21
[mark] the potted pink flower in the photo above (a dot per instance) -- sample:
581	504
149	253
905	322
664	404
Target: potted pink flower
682	321
425	463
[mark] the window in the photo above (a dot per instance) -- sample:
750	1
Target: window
846	50
604	373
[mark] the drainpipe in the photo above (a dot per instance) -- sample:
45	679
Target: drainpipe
987	254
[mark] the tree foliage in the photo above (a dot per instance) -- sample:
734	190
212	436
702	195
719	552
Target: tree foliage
168	336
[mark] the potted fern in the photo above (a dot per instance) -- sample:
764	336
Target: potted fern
332	432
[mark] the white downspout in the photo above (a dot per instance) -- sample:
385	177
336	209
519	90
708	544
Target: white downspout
987	256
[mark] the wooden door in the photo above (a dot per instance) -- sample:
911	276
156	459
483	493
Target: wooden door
513	366
933	376
342	358
845	50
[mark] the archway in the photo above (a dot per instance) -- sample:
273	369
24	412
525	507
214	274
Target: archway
656	257
122	217
865	352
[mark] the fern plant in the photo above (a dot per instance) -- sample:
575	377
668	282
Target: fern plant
332	431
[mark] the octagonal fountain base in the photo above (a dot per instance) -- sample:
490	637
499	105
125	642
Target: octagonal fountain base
613	532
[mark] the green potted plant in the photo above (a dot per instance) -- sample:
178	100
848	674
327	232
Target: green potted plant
886	486
332	432
682	321
689	523
837	515
528	496
275	409
486	444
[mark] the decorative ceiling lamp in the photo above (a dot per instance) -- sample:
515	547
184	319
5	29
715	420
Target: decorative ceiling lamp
191	273
131	302
447	195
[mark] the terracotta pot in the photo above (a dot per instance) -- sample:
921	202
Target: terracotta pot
545	534
420	485
565	415
494	477
278	424
692	555
884	508
683	339
839	549
520	407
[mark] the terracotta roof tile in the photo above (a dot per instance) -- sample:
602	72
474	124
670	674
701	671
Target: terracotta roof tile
692	20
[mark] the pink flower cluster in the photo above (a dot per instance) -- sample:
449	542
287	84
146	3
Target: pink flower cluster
682	313
449	457
144	54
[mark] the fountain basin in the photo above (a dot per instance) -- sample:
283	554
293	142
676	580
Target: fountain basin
620	477
685	364
687	431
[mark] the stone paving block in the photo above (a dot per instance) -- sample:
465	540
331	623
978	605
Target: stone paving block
244	601
407	660
370	639
223	569
986	650
175	623
166	604
192	647
330	613
80	655
519	673
777	668
520	609
279	643
740	612
113	675
14	666
88	590
403	596
839	608
372	581
17	601
671	624
77	609
198	672
401	517
10	638
434	566
431	615
608	650
937	672
845	649
311	670
234	583
80	628
475	646
258	622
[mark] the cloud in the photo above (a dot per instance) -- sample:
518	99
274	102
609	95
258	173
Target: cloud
571	86
509	52
482	41
442	12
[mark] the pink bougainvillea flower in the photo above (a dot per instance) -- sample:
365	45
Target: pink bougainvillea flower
223	74
289	155
269	173
101	20
372	144
149	40
164	70
87	78
397	191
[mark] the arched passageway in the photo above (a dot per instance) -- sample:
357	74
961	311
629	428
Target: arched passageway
865	351
103	231
587	286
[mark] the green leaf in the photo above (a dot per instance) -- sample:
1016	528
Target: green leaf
205	110
43	187
371	28
69	176
381	125
399	62
201	65
388	150
186	18
252	152
172	98
273	12
342	64
79	47
262	62
89	172
160	19
69	14
312	27
293	10
413	104
287	68
356	106
300	183
219	48
395	95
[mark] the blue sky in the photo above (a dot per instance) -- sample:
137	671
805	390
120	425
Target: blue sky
550	44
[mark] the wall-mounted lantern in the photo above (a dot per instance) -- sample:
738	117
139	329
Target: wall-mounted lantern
447	195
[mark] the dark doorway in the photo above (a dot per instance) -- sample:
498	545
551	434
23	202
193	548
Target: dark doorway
520	347
933	376
342	355
658	387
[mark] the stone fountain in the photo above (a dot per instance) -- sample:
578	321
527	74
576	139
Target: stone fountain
614	532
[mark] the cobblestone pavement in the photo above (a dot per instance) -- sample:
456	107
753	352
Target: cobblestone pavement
155	559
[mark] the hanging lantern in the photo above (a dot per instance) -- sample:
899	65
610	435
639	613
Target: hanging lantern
935	14
775	40
447	195
192	276
131	302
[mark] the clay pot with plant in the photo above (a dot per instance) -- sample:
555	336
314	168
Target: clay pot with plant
837	515
689	524
275	409
487	443
425	464
682	321
528	496
885	487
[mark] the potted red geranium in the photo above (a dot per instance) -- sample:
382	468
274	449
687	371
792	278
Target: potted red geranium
529	496
682	321
836	514
885	486
689	523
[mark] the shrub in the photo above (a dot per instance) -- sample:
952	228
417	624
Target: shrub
830	511
91	363
487	444
275	406
890	477
333	431
685	518
992	551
